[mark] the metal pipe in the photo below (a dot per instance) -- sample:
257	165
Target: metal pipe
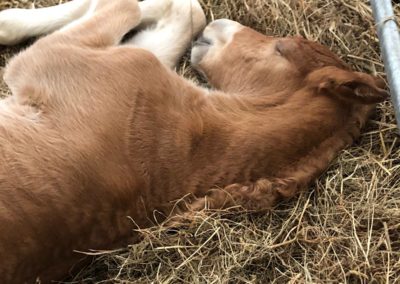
389	38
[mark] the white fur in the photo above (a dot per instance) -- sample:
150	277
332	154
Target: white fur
171	34
169	25
19	24
89	9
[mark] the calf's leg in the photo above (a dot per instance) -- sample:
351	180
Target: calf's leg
104	26
172	24
30	75
264	193
19	24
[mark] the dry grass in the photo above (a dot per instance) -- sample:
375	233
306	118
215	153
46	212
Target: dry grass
345	229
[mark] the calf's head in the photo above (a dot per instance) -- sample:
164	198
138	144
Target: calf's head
238	59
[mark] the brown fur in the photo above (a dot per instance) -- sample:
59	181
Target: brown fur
94	133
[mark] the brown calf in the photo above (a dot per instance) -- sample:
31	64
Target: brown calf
96	132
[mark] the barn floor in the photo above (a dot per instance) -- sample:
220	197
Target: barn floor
345	229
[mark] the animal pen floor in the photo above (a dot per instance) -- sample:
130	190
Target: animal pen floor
345	228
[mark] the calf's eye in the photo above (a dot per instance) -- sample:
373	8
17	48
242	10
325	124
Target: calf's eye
279	48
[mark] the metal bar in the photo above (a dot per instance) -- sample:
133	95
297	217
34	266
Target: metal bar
389	38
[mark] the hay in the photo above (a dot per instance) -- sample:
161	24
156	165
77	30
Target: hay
345	229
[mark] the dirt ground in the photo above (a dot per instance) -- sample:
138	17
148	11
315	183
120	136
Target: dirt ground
345	229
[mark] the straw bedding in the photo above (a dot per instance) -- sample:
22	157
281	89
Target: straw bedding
344	229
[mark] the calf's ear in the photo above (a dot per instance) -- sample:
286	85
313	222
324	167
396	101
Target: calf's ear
348	85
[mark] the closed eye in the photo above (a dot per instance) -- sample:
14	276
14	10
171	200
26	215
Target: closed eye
279	48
